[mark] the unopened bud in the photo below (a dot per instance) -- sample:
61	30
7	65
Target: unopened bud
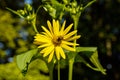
21	12
74	4
28	7
65	1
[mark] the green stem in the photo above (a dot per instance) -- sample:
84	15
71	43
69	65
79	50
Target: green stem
34	26
61	15
76	21
58	70
51	74
34	21
71	61
50	67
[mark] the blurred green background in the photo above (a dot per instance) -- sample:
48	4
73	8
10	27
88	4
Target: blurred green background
99	27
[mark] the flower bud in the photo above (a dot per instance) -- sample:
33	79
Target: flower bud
28	7
65	1
21	12
74	4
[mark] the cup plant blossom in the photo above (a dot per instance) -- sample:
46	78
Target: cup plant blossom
56	40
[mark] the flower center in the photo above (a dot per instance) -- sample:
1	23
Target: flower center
57	40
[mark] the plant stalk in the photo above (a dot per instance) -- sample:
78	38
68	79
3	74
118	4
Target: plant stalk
34	26
71	61
50	68
58	70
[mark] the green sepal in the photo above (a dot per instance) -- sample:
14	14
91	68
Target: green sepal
27	13
92	54
23	60
15	12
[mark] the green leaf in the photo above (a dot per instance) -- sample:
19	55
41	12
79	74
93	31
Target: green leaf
63	63
95	61
92	54
79	58
86	49
23	60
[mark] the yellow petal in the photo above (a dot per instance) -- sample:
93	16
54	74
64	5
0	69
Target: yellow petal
54	23
74	38
44	45
67	29
48	51
50	26
43	50
50	56
37	35
57	52
67	47
56	27
70	34
46	31
36	42
62	53
42	39
62	28
69	43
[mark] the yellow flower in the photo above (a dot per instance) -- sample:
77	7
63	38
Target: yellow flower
55	39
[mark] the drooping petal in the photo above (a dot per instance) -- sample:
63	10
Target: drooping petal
57	51
36	42
62	53
74	38
43	50
67	47
69	43
48	51
67	29
44	45
50	56
70	34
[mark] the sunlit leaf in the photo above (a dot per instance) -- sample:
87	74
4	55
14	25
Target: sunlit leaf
23	60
